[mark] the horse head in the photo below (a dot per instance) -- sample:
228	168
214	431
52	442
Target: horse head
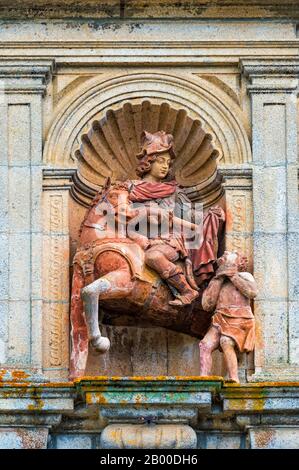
111	205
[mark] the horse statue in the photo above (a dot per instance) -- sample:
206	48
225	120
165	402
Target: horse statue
111	279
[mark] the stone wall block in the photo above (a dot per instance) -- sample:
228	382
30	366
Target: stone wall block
4	265
4	192
271	333
293	198
284	437
270	196
294	332
19	266
23	438
19	333
274	131
36	265
73	441
4	309
270	265
19	198
223	440
19	131
36	197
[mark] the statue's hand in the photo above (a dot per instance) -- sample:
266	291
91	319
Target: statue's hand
226	270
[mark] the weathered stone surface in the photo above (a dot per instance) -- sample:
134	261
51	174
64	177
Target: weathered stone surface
223	441
25	397
294	332
73	441
273	314
293	262
23	438
145	436
135	9
154	399
261	398
274	437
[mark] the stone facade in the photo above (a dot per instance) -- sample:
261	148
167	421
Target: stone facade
233	68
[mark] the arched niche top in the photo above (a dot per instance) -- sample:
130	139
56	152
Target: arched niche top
110	113
111	144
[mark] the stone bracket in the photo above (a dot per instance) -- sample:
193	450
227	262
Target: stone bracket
153	400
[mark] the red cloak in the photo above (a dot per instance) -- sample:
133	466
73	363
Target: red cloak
146	191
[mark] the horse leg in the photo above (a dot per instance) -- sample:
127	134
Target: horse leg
111	285
79	336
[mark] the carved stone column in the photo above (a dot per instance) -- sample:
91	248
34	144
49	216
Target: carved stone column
273	87
23	84
56	282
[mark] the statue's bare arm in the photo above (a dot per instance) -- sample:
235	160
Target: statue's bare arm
245	283
211	294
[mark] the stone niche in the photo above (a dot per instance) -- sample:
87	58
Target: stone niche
99	120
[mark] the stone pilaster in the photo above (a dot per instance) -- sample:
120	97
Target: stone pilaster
56	282
237	184
23	84
273	87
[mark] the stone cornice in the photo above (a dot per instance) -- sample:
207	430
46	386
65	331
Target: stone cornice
271	75
157	9
160	399
30	76
260	397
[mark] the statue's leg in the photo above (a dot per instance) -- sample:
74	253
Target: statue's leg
229	351
162	260
112	285
209	343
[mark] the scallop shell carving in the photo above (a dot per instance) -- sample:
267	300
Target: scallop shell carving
111	144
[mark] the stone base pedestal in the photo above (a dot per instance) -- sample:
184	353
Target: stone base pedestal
148	436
